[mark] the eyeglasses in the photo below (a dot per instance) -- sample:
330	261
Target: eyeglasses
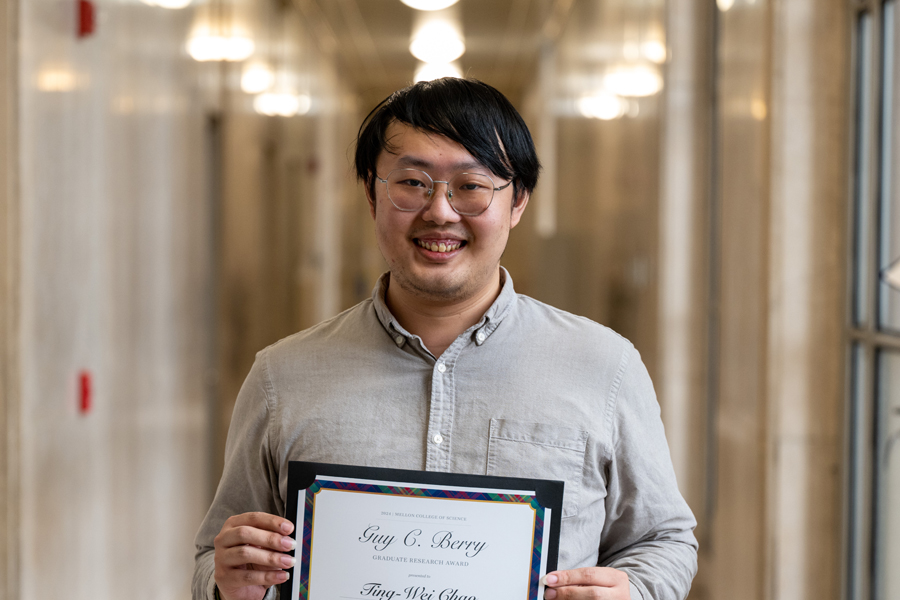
469	194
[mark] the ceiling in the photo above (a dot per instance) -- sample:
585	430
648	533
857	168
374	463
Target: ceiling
371	40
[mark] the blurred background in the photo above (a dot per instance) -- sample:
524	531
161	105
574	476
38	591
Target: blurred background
176	194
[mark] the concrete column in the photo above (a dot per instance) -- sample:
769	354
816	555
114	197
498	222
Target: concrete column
9	306
807	282
683	248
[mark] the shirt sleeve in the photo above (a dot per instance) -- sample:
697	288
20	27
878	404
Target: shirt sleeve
649	527
250	480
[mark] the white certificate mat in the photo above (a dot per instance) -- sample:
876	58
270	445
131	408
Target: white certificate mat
400	538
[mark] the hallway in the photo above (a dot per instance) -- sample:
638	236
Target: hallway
177	193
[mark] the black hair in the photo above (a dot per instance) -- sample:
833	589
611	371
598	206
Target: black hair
467	111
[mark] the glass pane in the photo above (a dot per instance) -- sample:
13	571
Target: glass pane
887	478
863	120
889	300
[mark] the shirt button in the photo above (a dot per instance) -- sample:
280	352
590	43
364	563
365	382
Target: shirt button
437	439
441	367
399	339
480	336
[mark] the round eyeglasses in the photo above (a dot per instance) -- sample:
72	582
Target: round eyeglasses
469	194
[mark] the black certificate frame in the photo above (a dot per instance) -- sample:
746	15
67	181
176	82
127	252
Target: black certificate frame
301	475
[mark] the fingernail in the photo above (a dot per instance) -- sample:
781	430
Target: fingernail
283	576
549	594
287	527
288	543
550	579
288	561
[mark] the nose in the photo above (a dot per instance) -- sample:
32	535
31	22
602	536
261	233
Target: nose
438	210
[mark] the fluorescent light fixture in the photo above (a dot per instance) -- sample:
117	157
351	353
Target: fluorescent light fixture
437	42
429	4
257	77
633	81
233	48
602	105
282	104
430	71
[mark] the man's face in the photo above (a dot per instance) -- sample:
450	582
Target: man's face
469	263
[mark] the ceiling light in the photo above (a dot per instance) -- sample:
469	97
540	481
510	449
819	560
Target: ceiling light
724	5
635	80
172	4
602	105
428	72
429	4
257	77
437	42
282	104
654	51
233	48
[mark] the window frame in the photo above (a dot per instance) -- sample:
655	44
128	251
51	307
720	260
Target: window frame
867	339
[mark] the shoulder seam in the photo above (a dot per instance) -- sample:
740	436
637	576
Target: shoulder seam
269	393
613	400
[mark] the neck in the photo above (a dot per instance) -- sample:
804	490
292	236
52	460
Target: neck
439	323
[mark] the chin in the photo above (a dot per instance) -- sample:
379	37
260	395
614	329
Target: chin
435	288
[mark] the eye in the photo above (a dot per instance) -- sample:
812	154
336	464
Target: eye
412	182
473	183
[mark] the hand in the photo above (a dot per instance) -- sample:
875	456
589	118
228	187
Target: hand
250	555
594	583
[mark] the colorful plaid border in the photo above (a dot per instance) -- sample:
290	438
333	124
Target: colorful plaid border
319	485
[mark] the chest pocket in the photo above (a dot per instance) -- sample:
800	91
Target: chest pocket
539	451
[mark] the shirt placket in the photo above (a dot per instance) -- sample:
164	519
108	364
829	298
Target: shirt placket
440	417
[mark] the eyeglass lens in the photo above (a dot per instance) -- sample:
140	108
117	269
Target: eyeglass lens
411	189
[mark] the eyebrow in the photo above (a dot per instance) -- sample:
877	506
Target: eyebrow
420	163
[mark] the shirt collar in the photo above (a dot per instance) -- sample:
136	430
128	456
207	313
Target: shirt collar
481	331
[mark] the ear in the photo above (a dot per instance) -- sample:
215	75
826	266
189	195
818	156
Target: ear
370	198
518	208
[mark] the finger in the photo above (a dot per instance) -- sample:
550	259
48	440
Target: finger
586	576
582	592
239	556
234	579
261	520
247	535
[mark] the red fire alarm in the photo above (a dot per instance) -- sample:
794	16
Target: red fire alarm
86	17
84	392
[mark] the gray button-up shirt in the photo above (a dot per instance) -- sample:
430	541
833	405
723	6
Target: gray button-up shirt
529	391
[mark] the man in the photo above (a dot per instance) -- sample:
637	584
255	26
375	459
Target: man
446	368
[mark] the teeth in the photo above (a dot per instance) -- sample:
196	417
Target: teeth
442	247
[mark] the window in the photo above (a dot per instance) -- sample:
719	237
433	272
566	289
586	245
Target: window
873	497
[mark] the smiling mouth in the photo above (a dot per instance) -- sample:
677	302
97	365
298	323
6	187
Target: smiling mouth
445	246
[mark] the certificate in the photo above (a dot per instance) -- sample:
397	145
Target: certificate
388	534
